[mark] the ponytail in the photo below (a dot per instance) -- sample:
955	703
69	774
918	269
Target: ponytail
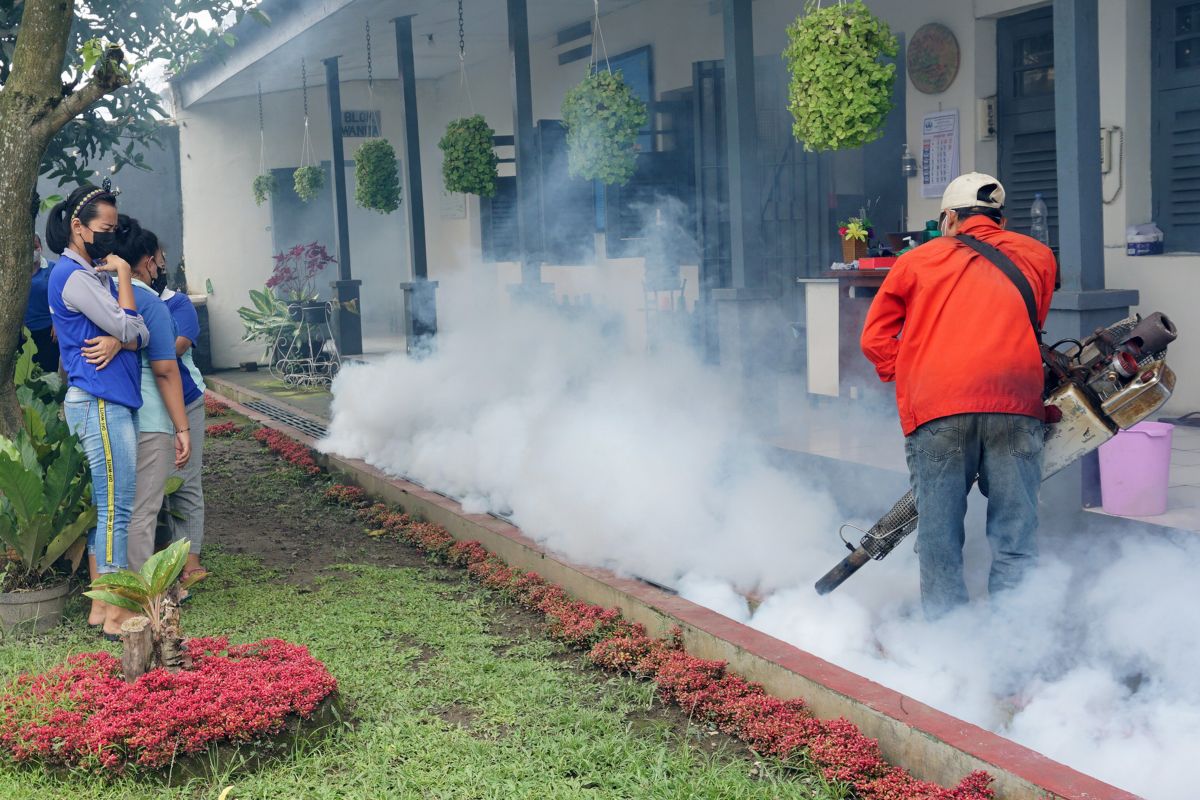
133	241
80	204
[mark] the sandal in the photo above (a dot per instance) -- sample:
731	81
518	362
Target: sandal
187	573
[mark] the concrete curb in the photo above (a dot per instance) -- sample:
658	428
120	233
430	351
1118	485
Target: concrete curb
932	745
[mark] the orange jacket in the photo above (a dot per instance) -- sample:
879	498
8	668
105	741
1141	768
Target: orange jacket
952	331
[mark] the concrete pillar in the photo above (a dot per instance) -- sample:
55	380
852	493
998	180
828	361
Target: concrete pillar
347	318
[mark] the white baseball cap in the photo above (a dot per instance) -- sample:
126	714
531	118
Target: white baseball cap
973	190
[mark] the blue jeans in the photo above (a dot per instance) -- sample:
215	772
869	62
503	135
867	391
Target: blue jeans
108	433
945	457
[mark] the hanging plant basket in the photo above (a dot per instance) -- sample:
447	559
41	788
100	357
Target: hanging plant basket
468	157
840	93
308	181
264	187
603	119
376	177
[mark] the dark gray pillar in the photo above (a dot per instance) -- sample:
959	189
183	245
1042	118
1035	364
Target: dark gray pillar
347	320
1083	304
748	322
525	147
420	302
741	136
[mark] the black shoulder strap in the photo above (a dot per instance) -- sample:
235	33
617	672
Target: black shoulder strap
1012	271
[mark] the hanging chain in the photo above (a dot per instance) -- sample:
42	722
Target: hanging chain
370	72
462	37
304	86
260	112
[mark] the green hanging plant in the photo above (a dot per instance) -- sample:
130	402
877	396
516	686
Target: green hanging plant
264	187
603	119
376	177
308	181
469	160
840	93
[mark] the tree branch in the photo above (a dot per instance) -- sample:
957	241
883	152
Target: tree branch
75	104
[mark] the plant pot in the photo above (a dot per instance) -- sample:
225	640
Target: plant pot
310	312
853	250
33	612
249	366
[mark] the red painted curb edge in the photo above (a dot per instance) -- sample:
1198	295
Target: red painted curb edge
1055	779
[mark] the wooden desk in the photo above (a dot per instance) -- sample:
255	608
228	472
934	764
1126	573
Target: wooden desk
835	309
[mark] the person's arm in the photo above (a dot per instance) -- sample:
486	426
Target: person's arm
885	320
91	298
182	345
170	386
114	264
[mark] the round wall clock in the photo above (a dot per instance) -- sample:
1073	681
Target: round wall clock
932	58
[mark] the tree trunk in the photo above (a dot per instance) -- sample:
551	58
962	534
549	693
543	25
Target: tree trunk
32	109
137	654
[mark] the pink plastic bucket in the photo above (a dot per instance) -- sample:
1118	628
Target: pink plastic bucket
1135	468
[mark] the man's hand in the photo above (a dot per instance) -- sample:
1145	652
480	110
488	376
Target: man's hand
183	448
100	350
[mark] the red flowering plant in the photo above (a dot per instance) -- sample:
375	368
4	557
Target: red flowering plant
83	714
288	449
223	430
294	278
214	407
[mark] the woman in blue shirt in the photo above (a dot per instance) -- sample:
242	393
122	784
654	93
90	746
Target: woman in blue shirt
164	436
102	403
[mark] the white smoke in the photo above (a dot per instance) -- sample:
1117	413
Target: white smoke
638	463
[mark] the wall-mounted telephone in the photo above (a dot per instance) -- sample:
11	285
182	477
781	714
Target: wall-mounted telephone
1107	161
1107	134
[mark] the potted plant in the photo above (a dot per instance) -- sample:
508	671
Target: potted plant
840	93
267	320
603	119
855	232
468	157
294	280
307	181
376	177
264	187
45	508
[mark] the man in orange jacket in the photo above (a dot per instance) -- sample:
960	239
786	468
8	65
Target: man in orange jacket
954	333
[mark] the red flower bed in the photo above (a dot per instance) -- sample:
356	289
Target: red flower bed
223	429
783	729
349	496
84	715
214	407
288	449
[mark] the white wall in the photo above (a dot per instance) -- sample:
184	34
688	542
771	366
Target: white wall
227	239
220	146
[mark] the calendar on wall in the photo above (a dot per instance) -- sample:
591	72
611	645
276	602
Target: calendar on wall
939	151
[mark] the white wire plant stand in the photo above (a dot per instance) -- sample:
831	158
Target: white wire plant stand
306	354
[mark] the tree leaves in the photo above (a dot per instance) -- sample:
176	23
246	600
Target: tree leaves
839	94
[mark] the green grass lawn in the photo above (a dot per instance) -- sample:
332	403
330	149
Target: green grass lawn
450	698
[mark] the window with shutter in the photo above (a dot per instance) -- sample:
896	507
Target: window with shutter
568	204
1175	158
498	222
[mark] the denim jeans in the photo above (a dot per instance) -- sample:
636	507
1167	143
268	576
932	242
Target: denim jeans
945	457
108	433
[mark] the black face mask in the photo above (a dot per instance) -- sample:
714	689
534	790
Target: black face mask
159	283
102	245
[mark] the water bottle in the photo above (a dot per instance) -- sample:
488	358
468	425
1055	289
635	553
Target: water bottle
1039	219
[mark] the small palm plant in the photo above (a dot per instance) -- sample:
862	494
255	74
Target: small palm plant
152	591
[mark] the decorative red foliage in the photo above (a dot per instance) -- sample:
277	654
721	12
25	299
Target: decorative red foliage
83	714
223	429
780	728
288	449
349	496
214	407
